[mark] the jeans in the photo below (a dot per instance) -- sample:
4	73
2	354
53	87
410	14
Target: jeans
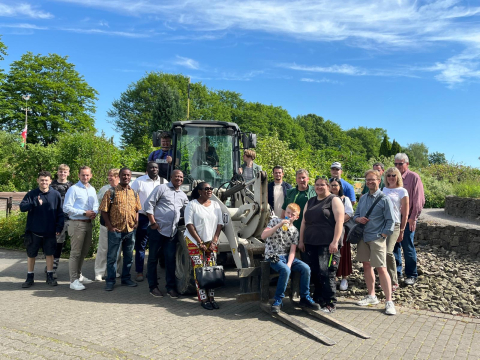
141	242
158	241
323	276
127	241
284	271
408	252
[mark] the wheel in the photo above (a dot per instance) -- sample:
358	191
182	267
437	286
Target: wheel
183	270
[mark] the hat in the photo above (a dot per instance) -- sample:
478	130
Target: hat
336	165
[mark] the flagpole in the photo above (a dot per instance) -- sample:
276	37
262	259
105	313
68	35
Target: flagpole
188	100
24	132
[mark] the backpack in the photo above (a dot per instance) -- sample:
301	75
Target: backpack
112	198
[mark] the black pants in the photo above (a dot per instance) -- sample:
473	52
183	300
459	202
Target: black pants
323	276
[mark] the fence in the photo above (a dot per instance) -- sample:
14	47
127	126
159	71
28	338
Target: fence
9	204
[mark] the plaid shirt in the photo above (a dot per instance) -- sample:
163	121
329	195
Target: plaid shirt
123	211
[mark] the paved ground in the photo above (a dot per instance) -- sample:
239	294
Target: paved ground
128	323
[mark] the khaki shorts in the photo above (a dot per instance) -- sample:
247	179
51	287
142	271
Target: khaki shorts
374	252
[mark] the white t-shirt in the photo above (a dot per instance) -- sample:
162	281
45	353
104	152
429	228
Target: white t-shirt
205	219
144	187
278	199
396	195
348	206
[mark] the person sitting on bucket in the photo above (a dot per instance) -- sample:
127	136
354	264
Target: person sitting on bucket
281	240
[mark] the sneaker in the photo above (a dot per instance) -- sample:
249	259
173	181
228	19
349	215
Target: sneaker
156	292
276	306
394	287
344	285
50	280
400	277
109	286
368	300
98	277
129	283
117	275
410	281
390	308
329	309
77	285
55	274
84	280
29	282
139	277
172	293
308	302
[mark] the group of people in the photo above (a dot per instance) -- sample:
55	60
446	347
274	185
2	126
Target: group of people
316	220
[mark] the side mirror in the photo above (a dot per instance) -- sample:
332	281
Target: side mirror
156	138
249	140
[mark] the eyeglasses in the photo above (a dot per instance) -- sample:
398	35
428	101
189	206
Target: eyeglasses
399	164
334	185
321	177
392	175
207	189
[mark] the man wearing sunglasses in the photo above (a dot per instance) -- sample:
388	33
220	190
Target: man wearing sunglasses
413	184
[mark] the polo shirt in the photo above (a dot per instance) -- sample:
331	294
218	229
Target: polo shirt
300	198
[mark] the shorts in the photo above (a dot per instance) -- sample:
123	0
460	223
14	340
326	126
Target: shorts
374	252
34	242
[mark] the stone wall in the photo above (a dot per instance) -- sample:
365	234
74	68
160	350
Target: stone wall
467	208
461	240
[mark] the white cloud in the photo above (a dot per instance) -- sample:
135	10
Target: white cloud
103	23
323	80
22	10
24	26
108	32
187	62
334	69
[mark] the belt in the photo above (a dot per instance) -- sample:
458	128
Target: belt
87	221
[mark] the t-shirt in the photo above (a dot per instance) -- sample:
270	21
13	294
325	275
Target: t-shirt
279	243
300	198
278	199
204	218
62	188
248	173
396	195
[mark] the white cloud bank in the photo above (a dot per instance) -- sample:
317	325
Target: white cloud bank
22	10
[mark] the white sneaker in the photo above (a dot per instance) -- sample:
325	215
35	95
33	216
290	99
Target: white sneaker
84	280
77	285
344	285
98	277
390	308
368	300
117	275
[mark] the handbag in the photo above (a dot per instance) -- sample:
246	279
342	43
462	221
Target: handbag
210	277
356	232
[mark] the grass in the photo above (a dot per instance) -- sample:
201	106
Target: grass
470	189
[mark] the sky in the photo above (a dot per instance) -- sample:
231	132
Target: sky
410	67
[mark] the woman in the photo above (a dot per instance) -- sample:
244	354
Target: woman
320	236
399	196
204	222
345	266
249	169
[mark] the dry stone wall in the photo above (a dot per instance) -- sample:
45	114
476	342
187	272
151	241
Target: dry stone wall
467	208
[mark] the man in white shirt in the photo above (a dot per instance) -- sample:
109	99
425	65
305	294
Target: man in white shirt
144	186
277	190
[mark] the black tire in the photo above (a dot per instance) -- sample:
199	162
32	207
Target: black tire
184	270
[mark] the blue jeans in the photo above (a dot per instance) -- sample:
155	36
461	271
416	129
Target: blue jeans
127	241
141	243
408	252
156	242
284	271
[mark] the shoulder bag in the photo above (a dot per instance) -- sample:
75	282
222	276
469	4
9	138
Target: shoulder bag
356	232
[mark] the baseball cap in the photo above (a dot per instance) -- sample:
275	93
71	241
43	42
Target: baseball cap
336	165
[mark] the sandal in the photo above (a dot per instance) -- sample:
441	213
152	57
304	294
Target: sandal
207	305
214	304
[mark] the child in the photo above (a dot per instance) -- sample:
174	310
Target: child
281	239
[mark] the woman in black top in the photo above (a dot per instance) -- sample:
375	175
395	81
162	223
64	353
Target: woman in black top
320	236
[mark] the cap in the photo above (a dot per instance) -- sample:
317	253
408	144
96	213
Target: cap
336	165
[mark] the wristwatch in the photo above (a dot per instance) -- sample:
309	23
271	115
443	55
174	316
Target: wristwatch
84	214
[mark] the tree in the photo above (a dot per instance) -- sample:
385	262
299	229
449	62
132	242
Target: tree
61	100
167	109
3	102
417	154
370	139
385	147
395	148
437	158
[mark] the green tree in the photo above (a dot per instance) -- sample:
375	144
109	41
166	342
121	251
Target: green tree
385	147
61	100
417	154
395	148
3	101
437	158
167	109
370	139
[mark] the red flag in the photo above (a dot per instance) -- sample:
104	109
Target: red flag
24	136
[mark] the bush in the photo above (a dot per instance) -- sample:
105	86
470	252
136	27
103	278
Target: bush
468	189
435	191
12	229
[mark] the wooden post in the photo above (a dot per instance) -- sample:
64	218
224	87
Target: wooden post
9	205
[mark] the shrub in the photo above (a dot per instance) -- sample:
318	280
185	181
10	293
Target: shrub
469	189
12	229
435	191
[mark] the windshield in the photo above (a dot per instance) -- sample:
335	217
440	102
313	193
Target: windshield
206	153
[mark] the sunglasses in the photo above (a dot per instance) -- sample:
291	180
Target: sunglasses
207	189
392	175
321	177
399	164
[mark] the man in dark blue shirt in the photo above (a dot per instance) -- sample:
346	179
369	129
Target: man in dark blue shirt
44	222
164	156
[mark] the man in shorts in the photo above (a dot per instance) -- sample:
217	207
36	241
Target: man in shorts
372	249
44	223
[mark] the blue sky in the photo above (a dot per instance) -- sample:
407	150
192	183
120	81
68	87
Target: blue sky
411	67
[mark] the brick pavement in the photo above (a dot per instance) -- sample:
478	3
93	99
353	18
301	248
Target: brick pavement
128	323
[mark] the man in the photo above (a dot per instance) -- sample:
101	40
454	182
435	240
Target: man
277	190
299	195
336	172
163	210
144	186
381	169
163	156
44	223
372	249
205	154
81	206
121	219
414	186
102	247
61	184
